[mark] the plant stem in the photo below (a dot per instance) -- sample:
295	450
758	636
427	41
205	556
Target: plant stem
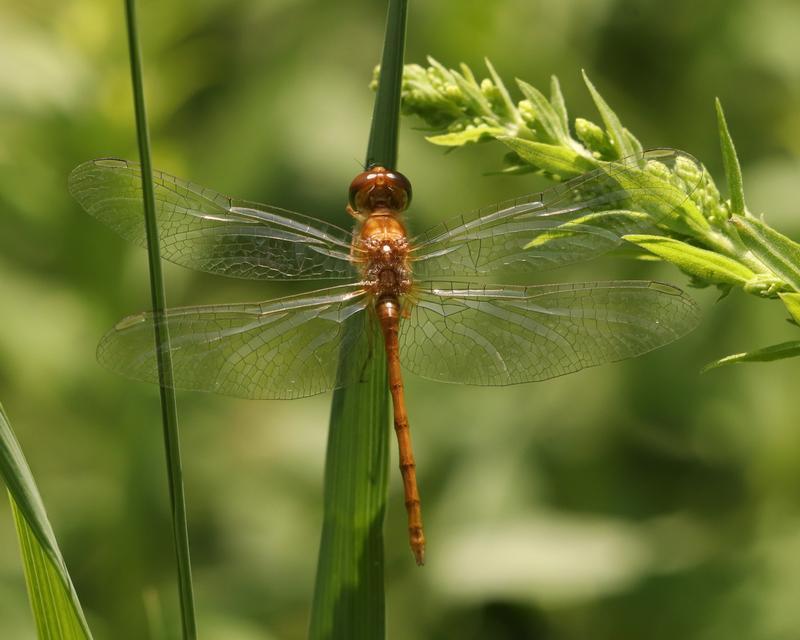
169	411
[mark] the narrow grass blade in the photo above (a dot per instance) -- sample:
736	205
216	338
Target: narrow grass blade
382	146
169	411
54	602
349	592
349	600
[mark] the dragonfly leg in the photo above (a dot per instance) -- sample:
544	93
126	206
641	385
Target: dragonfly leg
358	216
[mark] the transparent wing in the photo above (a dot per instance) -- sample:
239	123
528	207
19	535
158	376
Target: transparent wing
568	223
285	348
207	231
508	335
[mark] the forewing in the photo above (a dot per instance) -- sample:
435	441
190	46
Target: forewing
509	335
575	221
285	348
207	231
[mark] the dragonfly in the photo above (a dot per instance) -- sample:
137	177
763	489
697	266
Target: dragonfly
423	295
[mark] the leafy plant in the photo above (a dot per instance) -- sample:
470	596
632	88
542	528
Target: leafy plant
713	240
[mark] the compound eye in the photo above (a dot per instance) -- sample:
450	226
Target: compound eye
359	190
400	188
379	189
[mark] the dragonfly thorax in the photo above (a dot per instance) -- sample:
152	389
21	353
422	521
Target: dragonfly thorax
383	244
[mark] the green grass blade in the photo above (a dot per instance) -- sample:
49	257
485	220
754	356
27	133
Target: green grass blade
349	594
54	602
169	411
349	600
382	146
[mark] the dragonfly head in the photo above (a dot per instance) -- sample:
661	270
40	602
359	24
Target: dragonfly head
379	189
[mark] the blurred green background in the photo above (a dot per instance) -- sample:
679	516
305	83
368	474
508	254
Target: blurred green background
637	500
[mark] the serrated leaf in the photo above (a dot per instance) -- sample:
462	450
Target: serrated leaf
733	170
706	265
780	351
780	254
548	121
792	303
460	138
555	159
616	131
56	608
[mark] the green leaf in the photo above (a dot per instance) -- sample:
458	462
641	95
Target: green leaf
780	254
548	120
469	135
508	104
633	142
349	590
559	105
792	303
382	146
621	138
55	604
473	93
616	221
780	351
703	264
554	159
733	170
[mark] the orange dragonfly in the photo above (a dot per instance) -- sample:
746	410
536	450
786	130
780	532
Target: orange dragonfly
437	328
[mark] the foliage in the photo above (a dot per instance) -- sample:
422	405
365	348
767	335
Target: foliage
725	246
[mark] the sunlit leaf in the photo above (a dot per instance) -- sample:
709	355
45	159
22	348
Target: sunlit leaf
779	253
706	265
554	159
548	119
54	602
460	138
622	139
733	170
780	351
792	303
